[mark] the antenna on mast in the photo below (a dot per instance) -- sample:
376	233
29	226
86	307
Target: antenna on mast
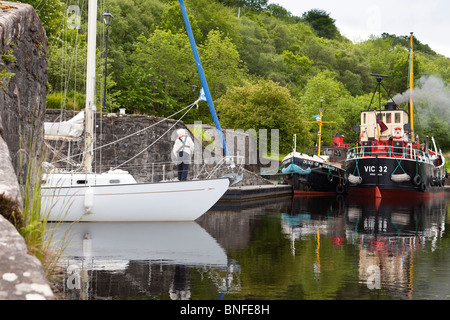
379	78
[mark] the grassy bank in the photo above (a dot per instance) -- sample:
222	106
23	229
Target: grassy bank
33	229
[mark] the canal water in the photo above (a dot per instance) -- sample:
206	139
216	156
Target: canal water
290	248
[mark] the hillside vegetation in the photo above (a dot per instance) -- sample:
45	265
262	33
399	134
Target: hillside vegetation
265	67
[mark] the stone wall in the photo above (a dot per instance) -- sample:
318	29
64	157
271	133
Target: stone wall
23	77
10	196
23	67
21	274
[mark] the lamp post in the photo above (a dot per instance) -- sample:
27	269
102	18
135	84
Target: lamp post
107	20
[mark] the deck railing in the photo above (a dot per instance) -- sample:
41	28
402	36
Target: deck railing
409	153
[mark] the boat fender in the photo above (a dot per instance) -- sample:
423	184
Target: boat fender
330	177
417	180
422	187
340	189
400	177
433	181
354	179
89	199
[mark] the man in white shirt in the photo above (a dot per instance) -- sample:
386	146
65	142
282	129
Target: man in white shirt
182	151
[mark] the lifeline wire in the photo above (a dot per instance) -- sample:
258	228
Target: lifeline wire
145	149
139	131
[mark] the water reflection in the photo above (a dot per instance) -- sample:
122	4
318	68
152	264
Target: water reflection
135	260
284	248
388	235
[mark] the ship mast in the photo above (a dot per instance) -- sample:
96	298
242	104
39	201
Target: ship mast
411	87
320	122
201	73
319	119
90	88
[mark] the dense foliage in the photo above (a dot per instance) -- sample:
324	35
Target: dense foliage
266	68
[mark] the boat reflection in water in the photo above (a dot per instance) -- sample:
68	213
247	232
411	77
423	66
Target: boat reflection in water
151	260
389	235
290	248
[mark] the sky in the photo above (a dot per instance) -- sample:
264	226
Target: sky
429	20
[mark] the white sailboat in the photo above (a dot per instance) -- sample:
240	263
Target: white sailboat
115	195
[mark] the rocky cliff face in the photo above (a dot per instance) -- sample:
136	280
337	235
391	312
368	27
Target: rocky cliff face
23	78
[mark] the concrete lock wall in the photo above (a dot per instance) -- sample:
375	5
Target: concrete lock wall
23	78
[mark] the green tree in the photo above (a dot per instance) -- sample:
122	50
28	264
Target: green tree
279	32
51	14
255	40
322	22
385	57
67	63
325	86
132	18
264	105
212	15
350	107
221	62
404	41
172	20
258	5
259	54
299	65
321	52
162	63
279	12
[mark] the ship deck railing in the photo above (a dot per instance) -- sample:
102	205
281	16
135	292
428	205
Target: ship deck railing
400	153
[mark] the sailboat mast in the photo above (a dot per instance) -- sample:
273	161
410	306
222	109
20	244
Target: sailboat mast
411	87
201	73
90	88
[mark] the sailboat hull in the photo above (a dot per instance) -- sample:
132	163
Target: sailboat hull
163	201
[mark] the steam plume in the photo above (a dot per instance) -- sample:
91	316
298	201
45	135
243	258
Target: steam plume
431	108
431	100
429	89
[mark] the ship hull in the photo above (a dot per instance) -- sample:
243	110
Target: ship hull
387	177
319	179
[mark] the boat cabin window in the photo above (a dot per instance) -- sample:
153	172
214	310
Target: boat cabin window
81	181
388	118
113	181
364	118
398	117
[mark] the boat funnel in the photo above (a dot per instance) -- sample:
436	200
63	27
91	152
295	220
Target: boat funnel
390	106
338	140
